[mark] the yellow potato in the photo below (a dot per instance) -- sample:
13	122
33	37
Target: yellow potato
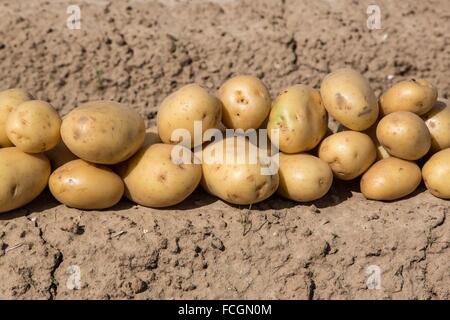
60	155
246	102
347	96
182	108
34	126
436	174
381	151
390	179
299	117
103	132
438	123
348	153
9	99
304	177
155	178
232	171
417	96
83	185
23	177
404	135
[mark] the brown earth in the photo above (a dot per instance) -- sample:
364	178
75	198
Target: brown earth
139	51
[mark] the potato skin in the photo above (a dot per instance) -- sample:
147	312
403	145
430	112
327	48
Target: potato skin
348	153
438	123
234	182
300	117
152	179
83	185
390	179
416	96
23	177
347	96
404	135
436	174
9	99
303	177
246	102
34	126
181	108
60	155
381	151
103	132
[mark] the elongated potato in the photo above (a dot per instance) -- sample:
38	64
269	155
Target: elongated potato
390	179
23	177
83	185
438	123
182	108
348	153
304	177
404	135
103	132
246	102
299	117
34	126
416	96
233	171
347	96
8	100
436	174
155	177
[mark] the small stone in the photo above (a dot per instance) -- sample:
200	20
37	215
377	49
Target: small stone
216	243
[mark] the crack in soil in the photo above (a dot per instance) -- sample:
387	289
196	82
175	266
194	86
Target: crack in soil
58	260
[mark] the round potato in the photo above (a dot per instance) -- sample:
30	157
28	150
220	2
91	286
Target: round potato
23	177
381	151
436	174
438	123
184	107
238	172
34	126
303	177
390	179
156	177
9	99
103	132
83	185
348	153
299	117
246	102
60	155
417	96
347	96
404	135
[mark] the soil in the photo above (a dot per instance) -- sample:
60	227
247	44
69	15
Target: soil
137	52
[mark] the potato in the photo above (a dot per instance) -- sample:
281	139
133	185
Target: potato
103	132
347	96
34	126
303	177
9	99
60	155
436	174
390	179
300	117
381	151
348	153
404	135
438	123
182	108
83	185
154	178
23	177
236	175
417	96
246	102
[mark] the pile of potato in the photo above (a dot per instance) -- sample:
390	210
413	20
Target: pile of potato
101	150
